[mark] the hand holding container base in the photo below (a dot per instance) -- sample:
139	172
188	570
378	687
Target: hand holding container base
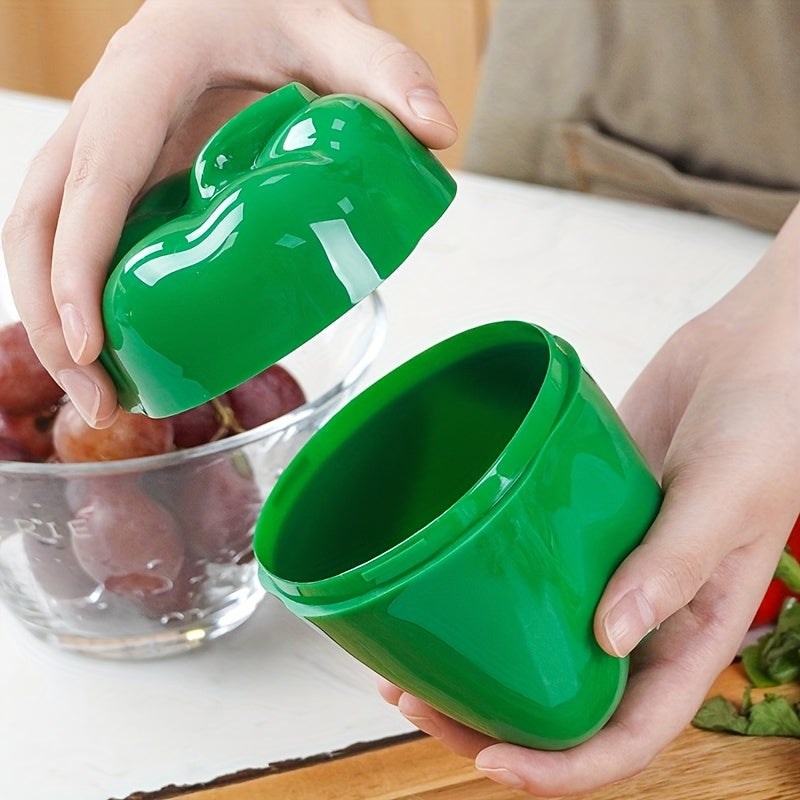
453	528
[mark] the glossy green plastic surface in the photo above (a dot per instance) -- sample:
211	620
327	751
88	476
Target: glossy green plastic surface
453	527
293	212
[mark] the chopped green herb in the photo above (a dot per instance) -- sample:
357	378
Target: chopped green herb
719	714
774	659
772	716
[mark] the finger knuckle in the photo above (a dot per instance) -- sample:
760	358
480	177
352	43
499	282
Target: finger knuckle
391	52
124	43
17	227
681	577
83	169
91	166
149	50
44	338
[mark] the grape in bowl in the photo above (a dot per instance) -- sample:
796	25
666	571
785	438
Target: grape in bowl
136	541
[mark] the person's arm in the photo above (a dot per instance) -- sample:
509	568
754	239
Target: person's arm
167	80
717	415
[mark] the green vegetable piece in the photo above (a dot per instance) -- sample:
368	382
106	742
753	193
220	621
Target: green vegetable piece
788	571
720	714
773	716
751	661
775	658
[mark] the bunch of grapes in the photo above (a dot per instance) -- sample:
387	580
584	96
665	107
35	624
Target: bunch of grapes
146	534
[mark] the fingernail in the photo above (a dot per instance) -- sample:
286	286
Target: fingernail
76	333
628	622
427	105
83	391
425	724
504	776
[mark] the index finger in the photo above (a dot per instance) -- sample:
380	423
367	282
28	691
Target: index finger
116	147
28	248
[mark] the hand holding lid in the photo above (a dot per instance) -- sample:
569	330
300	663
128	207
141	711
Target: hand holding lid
293	212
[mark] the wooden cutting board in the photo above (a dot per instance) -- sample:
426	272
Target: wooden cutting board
699	765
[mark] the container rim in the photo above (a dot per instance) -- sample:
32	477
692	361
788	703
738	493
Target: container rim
460	518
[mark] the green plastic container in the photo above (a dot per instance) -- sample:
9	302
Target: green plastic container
453	528
293	212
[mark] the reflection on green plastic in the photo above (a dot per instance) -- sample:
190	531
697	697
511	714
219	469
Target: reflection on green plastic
293	212
453	527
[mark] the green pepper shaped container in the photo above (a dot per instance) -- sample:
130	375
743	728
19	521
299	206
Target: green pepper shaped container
453	528
293	212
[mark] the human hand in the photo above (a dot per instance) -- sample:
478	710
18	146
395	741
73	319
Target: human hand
717	418
167	80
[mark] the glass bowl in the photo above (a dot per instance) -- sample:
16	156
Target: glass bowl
176	543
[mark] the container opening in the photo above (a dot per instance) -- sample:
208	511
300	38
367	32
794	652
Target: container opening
408	462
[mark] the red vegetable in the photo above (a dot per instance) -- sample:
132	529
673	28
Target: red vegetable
786	582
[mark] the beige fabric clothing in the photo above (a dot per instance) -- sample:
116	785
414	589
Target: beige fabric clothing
688	103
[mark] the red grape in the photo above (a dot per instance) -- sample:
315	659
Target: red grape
201	424
34	431
54	564
127	541
129	436
266	396
181	596
39	513
82	491
29	502
25	385
12	450
217	506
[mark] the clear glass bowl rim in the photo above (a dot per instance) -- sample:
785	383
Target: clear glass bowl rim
377	335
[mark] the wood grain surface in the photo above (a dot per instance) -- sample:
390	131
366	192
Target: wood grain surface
699	765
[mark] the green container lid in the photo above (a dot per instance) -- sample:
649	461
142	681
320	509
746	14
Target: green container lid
293	212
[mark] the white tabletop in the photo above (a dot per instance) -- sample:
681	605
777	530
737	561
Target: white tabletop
614	279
